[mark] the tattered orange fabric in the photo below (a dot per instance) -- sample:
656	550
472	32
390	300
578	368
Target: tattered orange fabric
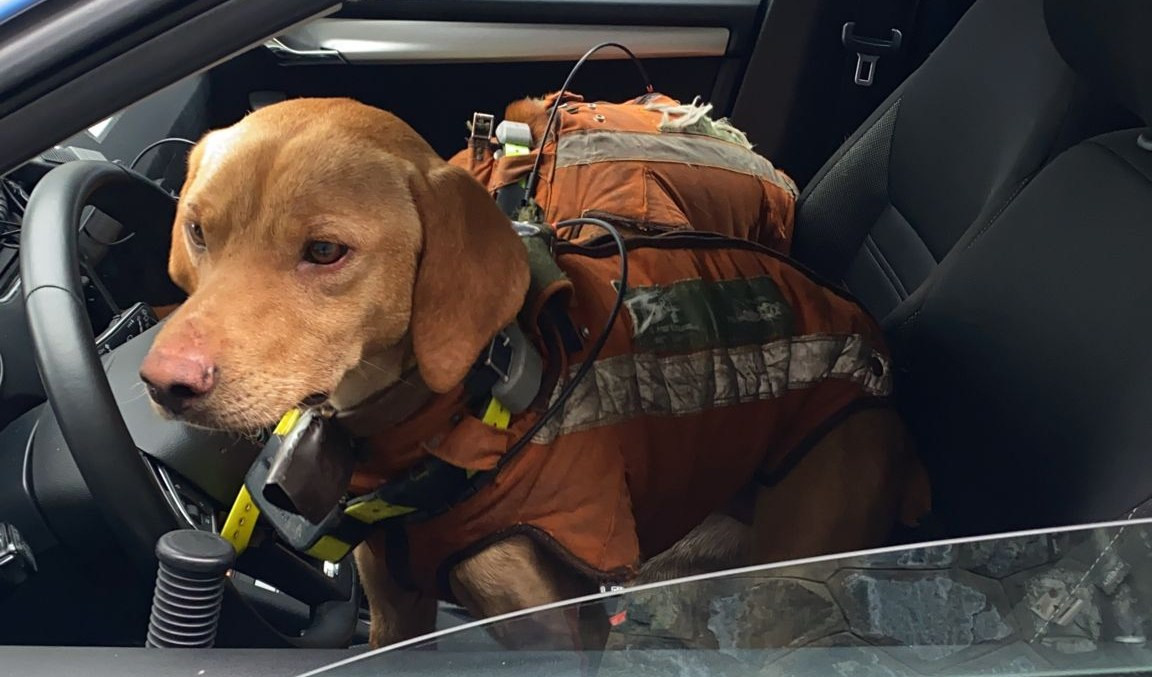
723	361
614	161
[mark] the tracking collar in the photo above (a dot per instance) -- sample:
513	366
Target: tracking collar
300	479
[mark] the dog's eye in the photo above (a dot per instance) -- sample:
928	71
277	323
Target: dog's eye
324	253
195	234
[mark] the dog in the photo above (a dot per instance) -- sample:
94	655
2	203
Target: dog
329	255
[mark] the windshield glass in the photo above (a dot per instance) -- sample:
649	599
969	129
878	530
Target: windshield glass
10	8
1057	602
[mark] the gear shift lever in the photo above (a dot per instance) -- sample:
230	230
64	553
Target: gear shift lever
189	589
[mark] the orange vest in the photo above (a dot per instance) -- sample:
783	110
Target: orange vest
725	360
612	161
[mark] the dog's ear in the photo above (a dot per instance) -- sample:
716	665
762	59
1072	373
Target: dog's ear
180	267
472	276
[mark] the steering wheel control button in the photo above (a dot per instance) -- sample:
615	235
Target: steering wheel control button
16	560
126	326
189	589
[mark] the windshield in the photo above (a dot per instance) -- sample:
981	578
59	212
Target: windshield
1056	602
10	8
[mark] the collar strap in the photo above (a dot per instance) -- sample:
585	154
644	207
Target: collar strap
427	490
431	488
281	483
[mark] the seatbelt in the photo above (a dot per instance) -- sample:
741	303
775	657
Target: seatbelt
876	41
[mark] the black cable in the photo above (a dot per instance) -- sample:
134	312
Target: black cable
132	166
9	235
593	351
534	175
113	243
6	209
13	192
14	203
157	144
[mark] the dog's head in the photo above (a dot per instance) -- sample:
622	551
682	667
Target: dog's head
325	247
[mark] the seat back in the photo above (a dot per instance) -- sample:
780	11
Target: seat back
951	145
1024	363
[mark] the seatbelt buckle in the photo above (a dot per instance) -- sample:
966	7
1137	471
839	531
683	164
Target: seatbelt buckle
868	51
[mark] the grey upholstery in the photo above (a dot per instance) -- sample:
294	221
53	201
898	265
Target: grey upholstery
944	152
1024	363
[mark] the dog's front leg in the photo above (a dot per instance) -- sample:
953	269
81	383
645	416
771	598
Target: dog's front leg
397	614
517	574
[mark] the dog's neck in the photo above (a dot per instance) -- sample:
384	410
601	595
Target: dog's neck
394	426
386	408
377	372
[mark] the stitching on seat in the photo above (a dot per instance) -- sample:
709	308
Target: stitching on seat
885	266
908	320
932	279
1028	179
888	160
881	267
996	217
1066	125
1128	163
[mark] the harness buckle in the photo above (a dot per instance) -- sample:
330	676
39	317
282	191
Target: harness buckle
480	137
501	341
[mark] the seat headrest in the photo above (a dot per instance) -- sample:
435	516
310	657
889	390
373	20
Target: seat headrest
1109	42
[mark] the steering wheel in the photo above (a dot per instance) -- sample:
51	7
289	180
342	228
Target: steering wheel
124	452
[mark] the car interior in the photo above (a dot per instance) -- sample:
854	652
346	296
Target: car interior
982	196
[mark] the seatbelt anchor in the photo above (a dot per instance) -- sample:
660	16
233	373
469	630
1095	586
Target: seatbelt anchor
868	51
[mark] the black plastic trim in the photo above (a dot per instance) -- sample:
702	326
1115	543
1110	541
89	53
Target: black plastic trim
276	565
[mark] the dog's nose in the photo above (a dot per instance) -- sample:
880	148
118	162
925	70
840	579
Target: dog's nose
175	381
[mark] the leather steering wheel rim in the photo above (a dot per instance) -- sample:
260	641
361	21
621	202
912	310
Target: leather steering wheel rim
124	488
